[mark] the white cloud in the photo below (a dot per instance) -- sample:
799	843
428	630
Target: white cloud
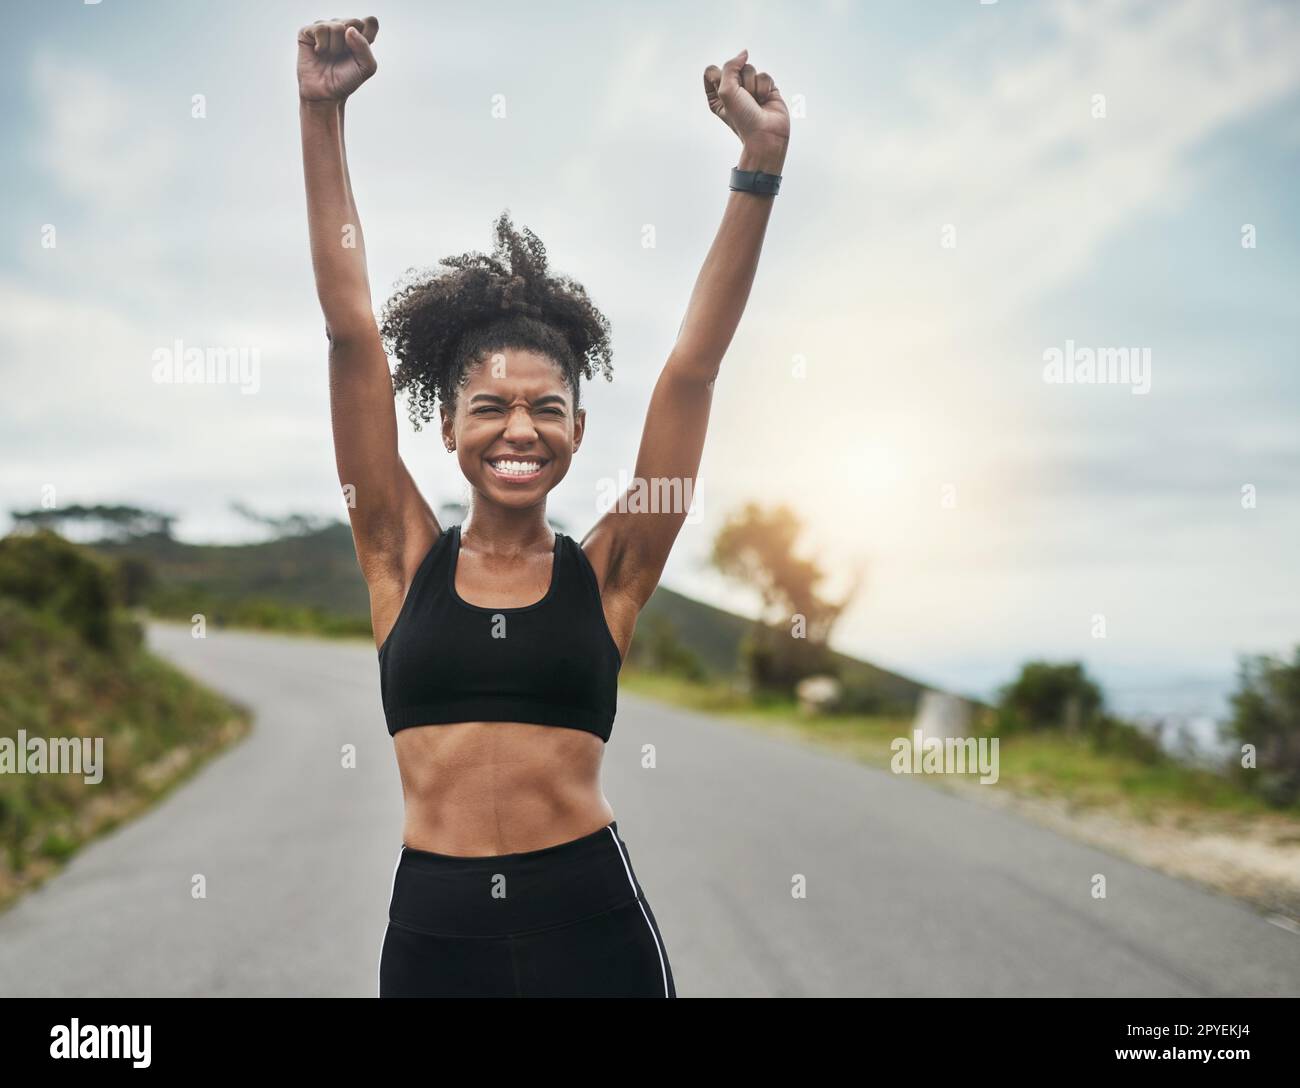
1013	157
95	138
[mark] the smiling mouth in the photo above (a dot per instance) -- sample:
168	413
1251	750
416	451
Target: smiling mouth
517	469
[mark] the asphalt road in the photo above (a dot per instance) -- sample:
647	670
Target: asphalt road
910	891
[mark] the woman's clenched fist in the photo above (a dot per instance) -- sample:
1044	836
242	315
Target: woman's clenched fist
748	102
334	58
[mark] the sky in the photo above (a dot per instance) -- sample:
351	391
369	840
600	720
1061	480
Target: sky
973	192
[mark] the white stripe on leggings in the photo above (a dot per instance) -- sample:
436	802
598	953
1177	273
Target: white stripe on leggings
653	934
379	971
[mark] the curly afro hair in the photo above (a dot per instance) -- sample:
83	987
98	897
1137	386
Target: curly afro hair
438	324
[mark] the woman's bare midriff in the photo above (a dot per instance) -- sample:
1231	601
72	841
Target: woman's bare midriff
474	789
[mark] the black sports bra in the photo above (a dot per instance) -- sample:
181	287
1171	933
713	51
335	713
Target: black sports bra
553	662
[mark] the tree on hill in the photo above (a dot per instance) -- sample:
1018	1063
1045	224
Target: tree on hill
789	638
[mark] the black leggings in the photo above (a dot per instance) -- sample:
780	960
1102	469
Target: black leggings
564	921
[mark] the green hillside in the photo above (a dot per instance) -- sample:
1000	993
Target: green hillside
75	676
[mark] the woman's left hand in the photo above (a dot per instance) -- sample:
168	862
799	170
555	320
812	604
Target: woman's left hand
748	102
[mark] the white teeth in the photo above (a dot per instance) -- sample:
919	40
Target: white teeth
516	468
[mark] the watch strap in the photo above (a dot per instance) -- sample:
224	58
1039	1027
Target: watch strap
754	181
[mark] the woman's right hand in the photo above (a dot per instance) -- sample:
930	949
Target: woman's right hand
334	58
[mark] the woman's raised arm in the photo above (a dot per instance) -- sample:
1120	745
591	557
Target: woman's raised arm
630	545
392	526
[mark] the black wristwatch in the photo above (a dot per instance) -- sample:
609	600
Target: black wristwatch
754	181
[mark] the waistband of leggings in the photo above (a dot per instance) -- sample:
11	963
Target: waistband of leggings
503	894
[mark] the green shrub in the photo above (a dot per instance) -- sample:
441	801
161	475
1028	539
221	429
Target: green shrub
1051	696
61	579
1266	714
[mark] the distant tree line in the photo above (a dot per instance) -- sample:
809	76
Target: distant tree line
117	523
121	523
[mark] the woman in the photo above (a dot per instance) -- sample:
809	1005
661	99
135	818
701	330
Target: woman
500	642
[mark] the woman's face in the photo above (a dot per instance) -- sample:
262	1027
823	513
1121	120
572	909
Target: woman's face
514	430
